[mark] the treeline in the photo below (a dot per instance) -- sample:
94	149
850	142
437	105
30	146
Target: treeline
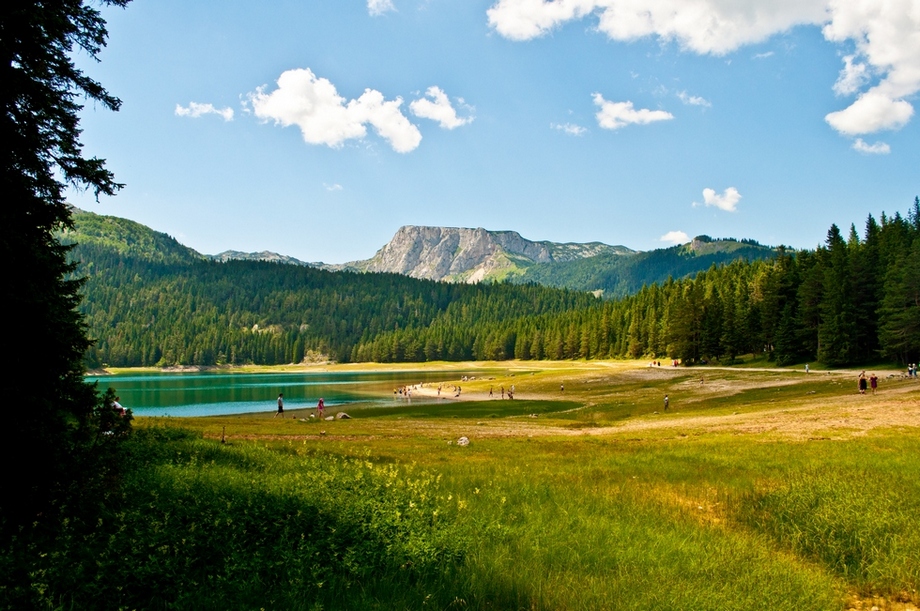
853	300
621	275
144	312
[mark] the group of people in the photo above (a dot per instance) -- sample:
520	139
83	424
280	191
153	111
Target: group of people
320	407
864	383
509	392
911	370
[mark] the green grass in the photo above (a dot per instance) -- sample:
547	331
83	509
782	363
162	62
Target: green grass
383	513
465	409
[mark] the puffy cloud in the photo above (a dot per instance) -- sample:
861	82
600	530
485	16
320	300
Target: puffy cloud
852	77
693	100
884	33
569	128
324	117
703	26
727	201
378	7
871	112
438	108
195	110
675	237
879	148
614	115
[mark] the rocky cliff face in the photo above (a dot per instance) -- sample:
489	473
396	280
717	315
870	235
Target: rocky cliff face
470	255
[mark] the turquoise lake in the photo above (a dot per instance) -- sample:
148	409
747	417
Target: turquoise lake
221	393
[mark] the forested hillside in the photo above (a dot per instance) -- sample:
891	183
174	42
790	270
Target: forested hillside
851	301
855	299
151	301
619	276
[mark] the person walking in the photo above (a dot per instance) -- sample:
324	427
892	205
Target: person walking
320	408
862	383
667	403
280	411
873	382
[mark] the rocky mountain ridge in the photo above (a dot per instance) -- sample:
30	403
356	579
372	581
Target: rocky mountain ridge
459	254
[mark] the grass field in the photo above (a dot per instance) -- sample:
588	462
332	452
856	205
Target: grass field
757	489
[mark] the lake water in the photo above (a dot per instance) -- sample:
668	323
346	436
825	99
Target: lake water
221	393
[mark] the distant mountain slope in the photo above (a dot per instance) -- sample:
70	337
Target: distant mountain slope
471	255
454	255
265	255
618	276
127	238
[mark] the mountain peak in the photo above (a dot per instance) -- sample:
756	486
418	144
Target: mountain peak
462	254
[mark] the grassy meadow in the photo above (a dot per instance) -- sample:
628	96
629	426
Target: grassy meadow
757	489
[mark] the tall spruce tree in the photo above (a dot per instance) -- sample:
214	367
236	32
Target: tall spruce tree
52	414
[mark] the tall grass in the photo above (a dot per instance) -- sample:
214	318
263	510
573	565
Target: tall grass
395	518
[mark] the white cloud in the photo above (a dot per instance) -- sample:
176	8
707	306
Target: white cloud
195	110
764	55
884	33
378	7
569	128
879	148
439	109
614	115
852	77
871	112
675	237
728	201
693	100
324	117
333	187
703	26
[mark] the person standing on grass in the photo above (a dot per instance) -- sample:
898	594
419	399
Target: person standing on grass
280	411
873	382
667	403
862	383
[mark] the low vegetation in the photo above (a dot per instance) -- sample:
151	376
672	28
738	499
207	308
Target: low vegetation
758	489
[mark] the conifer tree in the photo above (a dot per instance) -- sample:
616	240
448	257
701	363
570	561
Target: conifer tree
54	417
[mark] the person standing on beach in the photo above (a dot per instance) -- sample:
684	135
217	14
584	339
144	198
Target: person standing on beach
320	408
280	411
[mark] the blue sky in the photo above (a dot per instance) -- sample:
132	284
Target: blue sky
317	128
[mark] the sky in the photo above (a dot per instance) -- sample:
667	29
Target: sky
316	128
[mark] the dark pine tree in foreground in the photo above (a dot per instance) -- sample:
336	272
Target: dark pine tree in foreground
54	422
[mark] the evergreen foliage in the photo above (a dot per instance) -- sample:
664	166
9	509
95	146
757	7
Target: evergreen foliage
56	421
618	276
850	301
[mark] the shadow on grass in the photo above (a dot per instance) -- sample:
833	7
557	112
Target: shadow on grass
466	409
